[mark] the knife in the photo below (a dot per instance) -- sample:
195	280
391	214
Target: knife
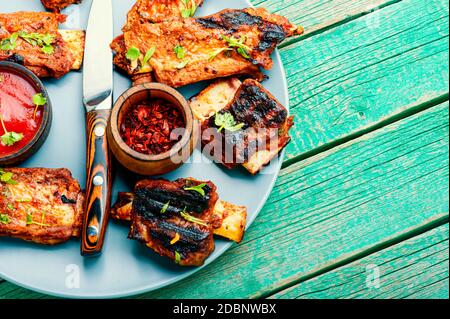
97	99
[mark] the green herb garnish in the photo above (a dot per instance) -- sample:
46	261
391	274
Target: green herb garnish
10	206
241	48
165	207
38	100
188	12
148	55
214	54
179	51
9	43
198	188
133	54
9	138
227	121
7	177
4	219
177	257
192	219
30	221
44	41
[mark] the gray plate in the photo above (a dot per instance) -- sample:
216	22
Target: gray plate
125	267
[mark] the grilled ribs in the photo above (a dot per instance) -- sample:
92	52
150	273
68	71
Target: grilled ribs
172	221
58	5
177	219
264	123
231	42
149	11
40	205
33	40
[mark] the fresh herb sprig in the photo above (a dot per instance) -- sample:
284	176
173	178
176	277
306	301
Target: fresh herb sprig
165	207
30	221
7	177
197	188
239	44
188	12
192	219
43	40
38	100
214	54
9	138
4	219
226	121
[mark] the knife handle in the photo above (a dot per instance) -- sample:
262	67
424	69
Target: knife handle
98	183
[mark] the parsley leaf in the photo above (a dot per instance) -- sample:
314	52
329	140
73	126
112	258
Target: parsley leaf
38	100
37	39
9	138
198	188
133	54
4	219
7	177
239	44
188	12
226	121
192	219
177	257
179	51
165	207
148	55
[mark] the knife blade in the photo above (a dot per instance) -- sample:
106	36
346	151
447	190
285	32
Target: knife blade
97	99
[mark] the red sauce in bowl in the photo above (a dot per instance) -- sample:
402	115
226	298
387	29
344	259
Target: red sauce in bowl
150	126
17	110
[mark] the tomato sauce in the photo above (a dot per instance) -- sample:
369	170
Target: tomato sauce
17	110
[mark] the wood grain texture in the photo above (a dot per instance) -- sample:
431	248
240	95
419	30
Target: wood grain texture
98	183
415	268
350	78
317	15
327	208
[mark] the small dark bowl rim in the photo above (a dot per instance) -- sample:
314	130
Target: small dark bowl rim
46	116
151	86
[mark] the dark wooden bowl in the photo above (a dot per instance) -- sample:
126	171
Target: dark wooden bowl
42	133
143	164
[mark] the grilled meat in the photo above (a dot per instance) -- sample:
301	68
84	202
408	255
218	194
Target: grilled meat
40	205
228	220
58	5
33	40
263	124
231	42
149	11
172	221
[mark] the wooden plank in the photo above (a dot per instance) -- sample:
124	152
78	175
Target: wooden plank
414	268
349	79
328	208
315	15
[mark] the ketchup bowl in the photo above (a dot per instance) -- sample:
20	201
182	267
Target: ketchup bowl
151	130
25	113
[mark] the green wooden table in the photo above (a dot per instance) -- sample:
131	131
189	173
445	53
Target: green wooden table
360	209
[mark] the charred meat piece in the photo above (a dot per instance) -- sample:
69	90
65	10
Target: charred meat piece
40	205
174	218
33	40
58	5
231	42
228	220
150	11
258	125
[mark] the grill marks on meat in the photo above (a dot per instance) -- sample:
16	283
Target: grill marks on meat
50	198
31	56
264	134
202	38
58	5
156	219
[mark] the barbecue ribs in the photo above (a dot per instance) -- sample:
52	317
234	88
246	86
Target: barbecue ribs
40	205
33	40
263	123
231	42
